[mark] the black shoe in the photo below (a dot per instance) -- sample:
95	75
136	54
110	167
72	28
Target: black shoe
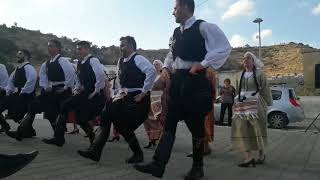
261	161
13	163
135	158
89	154
248	164
150	145
4	129
14	135
151	168
194	174
190	155
117	138
19	135
134	145
54	141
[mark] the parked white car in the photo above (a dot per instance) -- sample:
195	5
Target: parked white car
286	108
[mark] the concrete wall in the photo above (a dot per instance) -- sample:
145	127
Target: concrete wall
310	60
234	77
311	106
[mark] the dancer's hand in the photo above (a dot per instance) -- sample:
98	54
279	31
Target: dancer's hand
165	73
139	97
195	69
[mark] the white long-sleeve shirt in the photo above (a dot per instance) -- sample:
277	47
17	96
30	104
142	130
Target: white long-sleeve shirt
146	67
98	72
217	46
3	76
68	70
31	76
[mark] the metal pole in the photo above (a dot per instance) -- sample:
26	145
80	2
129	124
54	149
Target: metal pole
259	43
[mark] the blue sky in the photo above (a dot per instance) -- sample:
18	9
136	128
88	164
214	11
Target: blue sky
151	22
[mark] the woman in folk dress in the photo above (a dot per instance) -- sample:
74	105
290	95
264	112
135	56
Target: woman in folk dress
249	124
154	124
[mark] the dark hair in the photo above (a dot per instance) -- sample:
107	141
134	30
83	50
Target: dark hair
56	43
255	81
85	44
130	40
188	3
227	80
26	53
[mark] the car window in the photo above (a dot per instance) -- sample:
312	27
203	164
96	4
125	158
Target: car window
276	95
292	94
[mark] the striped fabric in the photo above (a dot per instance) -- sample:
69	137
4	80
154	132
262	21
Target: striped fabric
247	108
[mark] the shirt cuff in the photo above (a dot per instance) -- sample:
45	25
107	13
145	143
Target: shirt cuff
205	64
145	90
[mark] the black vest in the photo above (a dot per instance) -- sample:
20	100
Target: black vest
86	75
189	45
19	77
130	75
54	71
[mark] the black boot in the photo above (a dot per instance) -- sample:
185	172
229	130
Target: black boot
59	131
54	141
134	145
161	157
95	151
25	129
13	163
88	130
196	171
4	125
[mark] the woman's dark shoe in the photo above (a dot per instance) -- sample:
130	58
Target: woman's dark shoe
190	155
248	164
75	131
261	161
150	145
115	138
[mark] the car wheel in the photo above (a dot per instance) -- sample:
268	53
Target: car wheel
278	120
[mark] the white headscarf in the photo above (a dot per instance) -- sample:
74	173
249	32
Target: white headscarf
158	61
257	62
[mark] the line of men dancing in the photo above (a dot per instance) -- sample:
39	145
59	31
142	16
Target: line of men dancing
194	46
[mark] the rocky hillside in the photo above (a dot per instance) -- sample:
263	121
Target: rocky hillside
14	38
279	60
